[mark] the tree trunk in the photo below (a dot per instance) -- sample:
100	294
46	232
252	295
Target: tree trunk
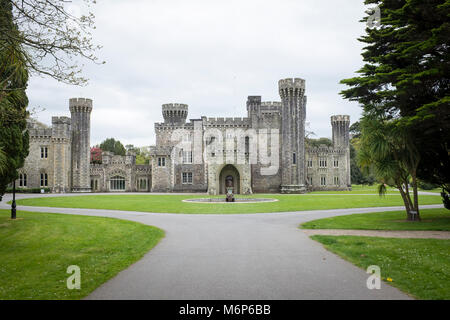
405	200
415	217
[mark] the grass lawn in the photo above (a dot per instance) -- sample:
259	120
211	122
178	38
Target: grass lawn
416	266
360	189
432	219
37	248
373	189
174	204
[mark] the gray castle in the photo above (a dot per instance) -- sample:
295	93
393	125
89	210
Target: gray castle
263	152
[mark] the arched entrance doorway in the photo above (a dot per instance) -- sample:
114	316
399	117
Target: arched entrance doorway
229	176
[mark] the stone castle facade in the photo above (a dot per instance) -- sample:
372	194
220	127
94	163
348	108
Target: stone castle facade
263	152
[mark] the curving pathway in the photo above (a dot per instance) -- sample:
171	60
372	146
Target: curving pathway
235	256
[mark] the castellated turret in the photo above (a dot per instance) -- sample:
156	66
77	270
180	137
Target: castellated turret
341	129
341	140
80	109
175	113
61	137
293	114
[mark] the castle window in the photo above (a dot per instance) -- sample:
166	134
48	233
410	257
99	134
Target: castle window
22	180
187	156
247	144
161	162
117	183
44	152
44	180
310	180
142	184
310	163
336	181
323	181
294	158
94	184
187	177
336	163
322	162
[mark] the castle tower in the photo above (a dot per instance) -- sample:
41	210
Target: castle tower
341	129
175	113
341	140
293	113
80	109
253	109
61	135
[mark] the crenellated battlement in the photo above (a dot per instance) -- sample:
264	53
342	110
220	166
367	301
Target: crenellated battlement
275	104
175	113
61	120
40	133
291	86
80	105
337	118
324	149
211	122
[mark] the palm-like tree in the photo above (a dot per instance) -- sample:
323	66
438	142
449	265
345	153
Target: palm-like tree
388	149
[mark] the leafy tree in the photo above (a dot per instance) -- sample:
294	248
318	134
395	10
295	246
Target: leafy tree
3	160
357	175
405	83
143	156
114	146
318	142
13	99
355	130
53	37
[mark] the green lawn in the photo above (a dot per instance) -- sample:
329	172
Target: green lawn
432	219
37	248
416	266
373	189
174	204
360	189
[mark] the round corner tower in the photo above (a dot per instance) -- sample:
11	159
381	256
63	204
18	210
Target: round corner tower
293	114
175	113
80	110
341	130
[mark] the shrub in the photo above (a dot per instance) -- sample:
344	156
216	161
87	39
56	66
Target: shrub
28	190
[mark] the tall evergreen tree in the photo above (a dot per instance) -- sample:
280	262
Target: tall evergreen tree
114	146
406	79
13	99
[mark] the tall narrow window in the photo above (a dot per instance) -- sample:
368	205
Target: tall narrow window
323	181
294	158
44	152
322	162
336	163
44	180
247	145
310	163
336	181
142	184
22	180
161	162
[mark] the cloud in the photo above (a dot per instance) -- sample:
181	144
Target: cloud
210	55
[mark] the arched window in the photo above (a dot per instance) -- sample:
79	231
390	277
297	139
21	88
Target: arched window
117	183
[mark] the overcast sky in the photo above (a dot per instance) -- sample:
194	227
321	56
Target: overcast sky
210	55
